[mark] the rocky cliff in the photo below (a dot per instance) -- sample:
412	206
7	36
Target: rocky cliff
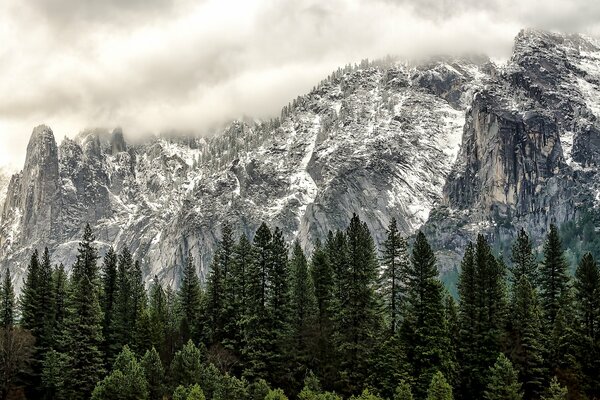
452	146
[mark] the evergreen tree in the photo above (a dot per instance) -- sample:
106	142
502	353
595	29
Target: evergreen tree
323	280
122	327
587	288
158	313
186	368
303	306
395	263
503	383
553	278
403	391
257	334
190	300
556	391
527	350
279	312
424	329
482	316
235	302
139	317
154	373
217	283
7	302
439	389
523	260
359	314
29	301
60	284
83	325
108	299
126	381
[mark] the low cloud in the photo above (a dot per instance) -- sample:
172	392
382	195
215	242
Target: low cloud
154	65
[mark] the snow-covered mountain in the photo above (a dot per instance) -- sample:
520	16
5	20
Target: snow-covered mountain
380	139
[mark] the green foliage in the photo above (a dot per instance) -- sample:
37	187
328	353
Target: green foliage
403	391
83	323
154	373
366	395
193	392
189	300
439	388
524	262
556	391
126	381
7	302
186	368
425	330
395	265
553	279
503	383
276	394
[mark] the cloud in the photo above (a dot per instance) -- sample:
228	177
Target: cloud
153	65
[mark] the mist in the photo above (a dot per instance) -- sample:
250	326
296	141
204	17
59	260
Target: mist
155	65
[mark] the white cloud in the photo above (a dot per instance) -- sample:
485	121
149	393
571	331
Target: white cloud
155	65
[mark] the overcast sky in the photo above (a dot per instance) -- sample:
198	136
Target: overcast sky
154	65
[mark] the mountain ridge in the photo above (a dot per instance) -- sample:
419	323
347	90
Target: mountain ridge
382	140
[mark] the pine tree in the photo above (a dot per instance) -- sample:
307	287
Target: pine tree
126	381
523	260
190	300
553	278
108	299
121	326
556	391
322	276
303	306
186	368
154	373
395	264
29	296
439	389
359	313
158	313
139	317
279	312
257	334
503	383
403	391
527	350
424	328
482	316
235	293
587	290
7	302
83	325
60	285
217	283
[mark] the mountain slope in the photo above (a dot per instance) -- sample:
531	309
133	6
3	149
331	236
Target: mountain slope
377	140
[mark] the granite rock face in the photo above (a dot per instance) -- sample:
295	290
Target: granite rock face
450	146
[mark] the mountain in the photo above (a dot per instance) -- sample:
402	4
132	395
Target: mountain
450	145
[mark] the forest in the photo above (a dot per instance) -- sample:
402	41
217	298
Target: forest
349	322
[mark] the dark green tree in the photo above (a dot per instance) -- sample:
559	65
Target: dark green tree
503	383
524	262
303	308
154	373
358	318
29	301
7	302
126	381
395	264
526	345
425	329
554	279
108	298
83	324
587	292
439	388
190	300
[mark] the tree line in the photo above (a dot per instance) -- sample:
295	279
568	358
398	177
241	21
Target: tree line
350	322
